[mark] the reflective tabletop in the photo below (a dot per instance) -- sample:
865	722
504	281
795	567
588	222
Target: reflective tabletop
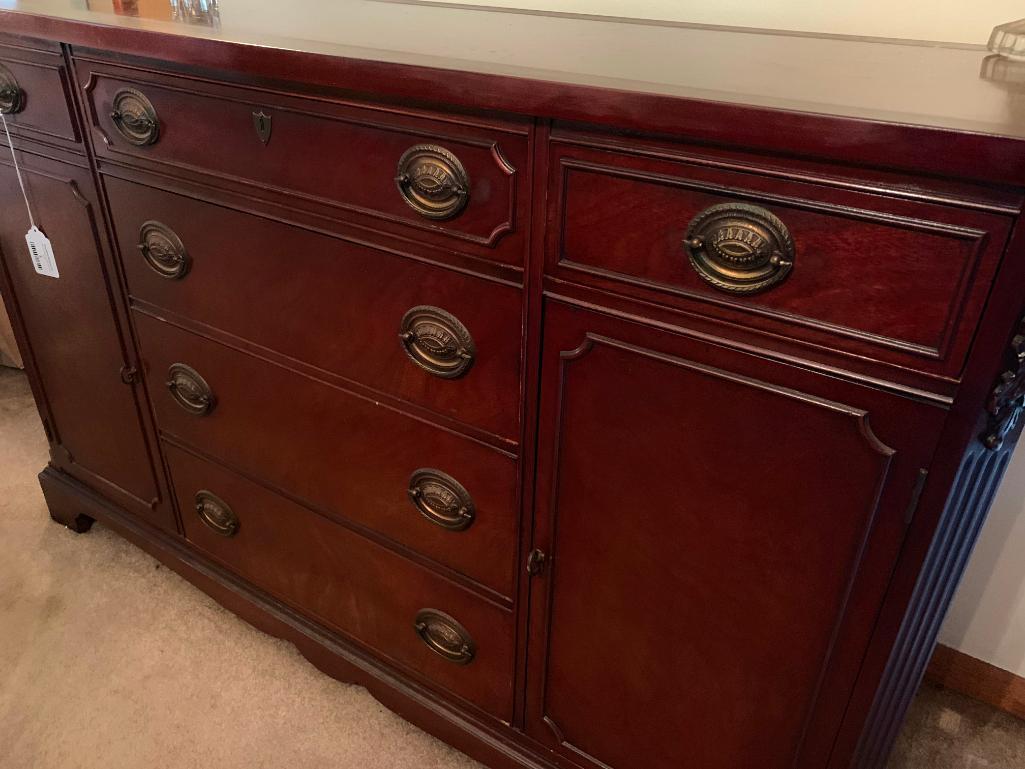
938	85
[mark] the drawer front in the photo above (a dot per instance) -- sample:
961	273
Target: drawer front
345	455
330	303
35	95
897	281
349	583
453	182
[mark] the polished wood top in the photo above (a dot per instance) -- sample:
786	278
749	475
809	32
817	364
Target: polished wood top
933	85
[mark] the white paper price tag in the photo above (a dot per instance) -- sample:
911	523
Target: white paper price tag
41	251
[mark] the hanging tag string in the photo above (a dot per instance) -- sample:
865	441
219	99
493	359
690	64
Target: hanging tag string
17	170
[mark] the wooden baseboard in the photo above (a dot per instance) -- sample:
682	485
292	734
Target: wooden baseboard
977	679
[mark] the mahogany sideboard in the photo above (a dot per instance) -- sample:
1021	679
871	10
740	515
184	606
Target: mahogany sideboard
597	394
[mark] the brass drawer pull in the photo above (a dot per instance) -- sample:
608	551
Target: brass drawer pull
190	390
216	514
436	341
433	182
164	251
441	499
12	98
739	248
135	118
444	636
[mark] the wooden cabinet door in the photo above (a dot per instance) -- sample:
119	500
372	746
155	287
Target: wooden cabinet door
75	348
719	530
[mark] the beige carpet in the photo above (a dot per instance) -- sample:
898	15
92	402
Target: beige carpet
946	730
110	661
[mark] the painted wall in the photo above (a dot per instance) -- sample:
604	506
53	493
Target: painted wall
987	619
947	20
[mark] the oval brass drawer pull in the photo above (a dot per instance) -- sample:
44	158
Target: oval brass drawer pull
436	341
135	118
433	182
163	250
444	636
190	390
12	98
739	248
441	499
216	514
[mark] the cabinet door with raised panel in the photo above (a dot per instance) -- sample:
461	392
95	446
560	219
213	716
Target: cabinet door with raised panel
719	531
75	348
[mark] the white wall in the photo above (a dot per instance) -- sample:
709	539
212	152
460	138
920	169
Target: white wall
957	21
987	619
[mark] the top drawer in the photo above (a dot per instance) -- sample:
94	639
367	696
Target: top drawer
452	182
888	280
35	96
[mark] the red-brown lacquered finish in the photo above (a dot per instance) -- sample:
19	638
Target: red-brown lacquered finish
856	256
590	419
332	303
712	480
362	590
45	109
85	384
344	454
338	156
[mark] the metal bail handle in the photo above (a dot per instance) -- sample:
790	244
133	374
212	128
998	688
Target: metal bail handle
190	390
739	248
444	636
441	499
437	342
12	97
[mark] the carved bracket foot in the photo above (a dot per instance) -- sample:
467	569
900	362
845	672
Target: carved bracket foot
79	523
64	509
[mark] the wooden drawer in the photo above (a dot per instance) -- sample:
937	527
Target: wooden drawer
347	582
328	302
338	155
346	455
898	281
36	96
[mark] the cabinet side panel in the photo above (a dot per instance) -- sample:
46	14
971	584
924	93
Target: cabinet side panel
72	335
970	498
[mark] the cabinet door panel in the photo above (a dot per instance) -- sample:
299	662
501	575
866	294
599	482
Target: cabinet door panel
75	348
721	529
